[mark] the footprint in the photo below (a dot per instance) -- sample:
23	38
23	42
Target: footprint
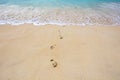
52	47
54	63
61	37
51	60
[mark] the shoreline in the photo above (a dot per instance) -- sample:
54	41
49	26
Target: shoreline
50	52
103	14
57	25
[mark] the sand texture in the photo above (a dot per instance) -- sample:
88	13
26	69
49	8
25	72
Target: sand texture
52	52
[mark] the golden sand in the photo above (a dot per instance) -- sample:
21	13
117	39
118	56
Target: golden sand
52	52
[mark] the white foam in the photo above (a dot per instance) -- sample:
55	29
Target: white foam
103	14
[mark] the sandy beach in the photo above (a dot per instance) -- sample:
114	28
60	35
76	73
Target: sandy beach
52	52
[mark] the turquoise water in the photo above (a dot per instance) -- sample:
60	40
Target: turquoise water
55	3
61	12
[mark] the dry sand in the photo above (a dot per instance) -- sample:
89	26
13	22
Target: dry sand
51	52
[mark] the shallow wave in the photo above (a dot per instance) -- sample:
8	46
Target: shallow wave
102	14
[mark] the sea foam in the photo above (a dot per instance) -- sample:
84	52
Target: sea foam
102	14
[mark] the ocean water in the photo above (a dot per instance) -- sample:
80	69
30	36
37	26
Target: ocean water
60	12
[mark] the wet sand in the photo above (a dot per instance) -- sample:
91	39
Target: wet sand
52	52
